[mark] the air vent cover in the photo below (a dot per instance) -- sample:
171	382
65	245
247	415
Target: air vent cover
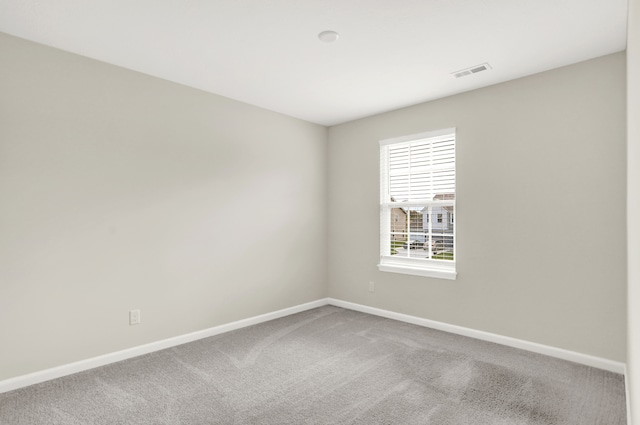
471	70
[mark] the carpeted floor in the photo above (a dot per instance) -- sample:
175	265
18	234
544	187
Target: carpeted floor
328	366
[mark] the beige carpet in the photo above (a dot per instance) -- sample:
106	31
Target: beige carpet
328	366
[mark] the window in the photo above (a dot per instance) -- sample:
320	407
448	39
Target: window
417	181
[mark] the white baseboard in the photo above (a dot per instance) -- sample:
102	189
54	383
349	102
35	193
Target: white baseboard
82	365
585	359
71	368
627	395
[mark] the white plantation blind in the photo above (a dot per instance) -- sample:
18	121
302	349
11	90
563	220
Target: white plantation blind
417	204
420	170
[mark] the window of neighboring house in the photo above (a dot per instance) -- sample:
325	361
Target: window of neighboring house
417	179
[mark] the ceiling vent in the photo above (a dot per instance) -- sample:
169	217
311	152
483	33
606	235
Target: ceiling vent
471	70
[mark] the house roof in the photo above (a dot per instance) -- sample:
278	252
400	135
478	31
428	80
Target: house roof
445	196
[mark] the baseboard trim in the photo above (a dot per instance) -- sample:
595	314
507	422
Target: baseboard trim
627	395
585	359
82	365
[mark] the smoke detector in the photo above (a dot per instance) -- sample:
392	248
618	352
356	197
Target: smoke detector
471	70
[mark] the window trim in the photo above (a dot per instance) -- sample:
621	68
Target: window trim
431	271
427	267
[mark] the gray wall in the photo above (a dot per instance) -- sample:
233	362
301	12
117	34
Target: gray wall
540	160
122	191
633	205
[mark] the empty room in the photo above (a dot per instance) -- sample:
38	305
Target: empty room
320	212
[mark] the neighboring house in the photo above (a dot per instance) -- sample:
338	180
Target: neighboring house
398	224
441	223
442	220
417	237
416	222
441	217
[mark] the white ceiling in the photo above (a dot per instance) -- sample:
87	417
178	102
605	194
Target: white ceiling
391	53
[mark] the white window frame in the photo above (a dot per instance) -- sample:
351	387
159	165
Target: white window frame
443	269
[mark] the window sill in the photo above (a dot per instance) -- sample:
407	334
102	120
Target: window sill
439	273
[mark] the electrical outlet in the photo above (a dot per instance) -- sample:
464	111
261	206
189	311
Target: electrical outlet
134	317
372	287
